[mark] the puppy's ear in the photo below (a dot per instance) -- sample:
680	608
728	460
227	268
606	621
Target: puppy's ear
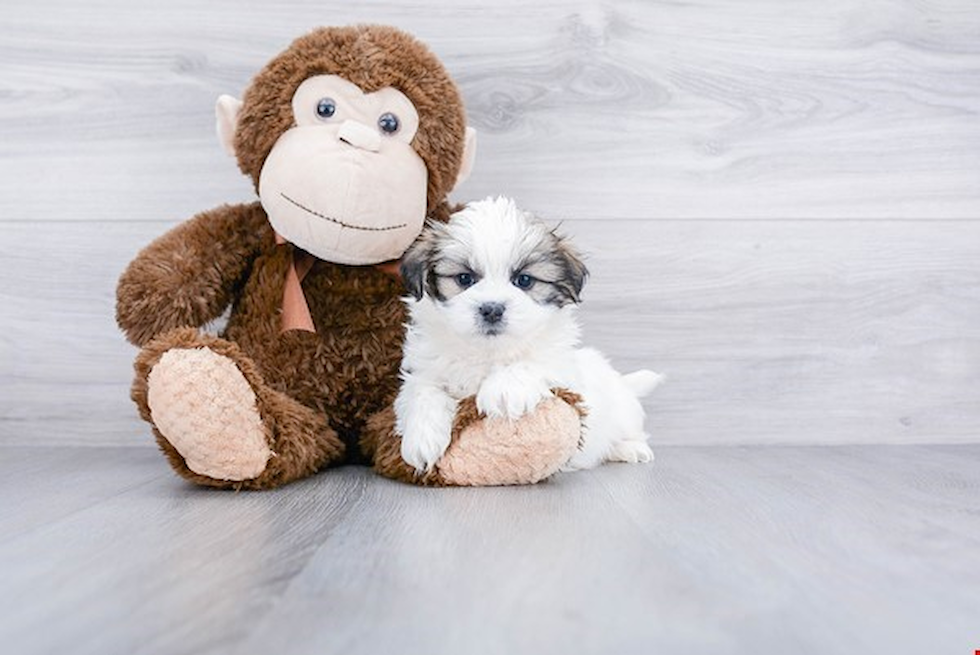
574	272
416	262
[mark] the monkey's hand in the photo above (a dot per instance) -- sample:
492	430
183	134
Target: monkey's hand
188	276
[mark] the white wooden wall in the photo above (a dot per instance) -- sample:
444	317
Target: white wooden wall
781	198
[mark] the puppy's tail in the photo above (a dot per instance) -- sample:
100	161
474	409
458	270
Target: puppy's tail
642	382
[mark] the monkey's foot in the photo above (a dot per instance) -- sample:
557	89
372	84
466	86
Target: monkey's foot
486	451
202	404
500	451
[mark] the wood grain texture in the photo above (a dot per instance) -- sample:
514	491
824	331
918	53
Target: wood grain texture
830	550
591	109
769	332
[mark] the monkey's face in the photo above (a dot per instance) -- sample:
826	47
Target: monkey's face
344	183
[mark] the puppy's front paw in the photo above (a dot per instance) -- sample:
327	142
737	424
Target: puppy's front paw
631	452
511	394
423	448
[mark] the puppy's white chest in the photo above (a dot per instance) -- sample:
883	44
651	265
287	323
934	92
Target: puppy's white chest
464	379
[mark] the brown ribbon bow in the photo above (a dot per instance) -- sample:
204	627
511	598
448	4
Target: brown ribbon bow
295	310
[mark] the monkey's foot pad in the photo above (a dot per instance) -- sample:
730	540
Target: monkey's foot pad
499	451
202	404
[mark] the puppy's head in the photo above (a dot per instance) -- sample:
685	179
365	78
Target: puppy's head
494	270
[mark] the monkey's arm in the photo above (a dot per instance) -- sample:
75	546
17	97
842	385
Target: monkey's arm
189	275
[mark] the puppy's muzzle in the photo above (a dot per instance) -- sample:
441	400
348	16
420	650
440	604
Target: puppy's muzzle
492	313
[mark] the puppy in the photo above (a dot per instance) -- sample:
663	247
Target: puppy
492	313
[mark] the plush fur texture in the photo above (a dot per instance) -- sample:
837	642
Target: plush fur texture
494	315
322	398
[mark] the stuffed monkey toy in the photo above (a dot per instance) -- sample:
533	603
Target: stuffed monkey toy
352	136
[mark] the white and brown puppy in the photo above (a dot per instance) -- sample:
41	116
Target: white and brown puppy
493	314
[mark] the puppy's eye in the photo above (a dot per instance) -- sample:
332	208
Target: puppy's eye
465	280
326	108
524	281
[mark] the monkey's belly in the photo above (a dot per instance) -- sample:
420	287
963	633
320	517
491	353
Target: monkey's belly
346	374
348	369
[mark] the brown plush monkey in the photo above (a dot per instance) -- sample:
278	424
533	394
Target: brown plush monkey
352	137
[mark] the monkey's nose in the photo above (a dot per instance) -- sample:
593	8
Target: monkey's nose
359	135
492	312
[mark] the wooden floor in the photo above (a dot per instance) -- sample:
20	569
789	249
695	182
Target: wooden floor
780	201
825	550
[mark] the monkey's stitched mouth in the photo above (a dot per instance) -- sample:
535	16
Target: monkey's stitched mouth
341	223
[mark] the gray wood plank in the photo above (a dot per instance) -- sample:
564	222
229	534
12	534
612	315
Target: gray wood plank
804	332
63	361
176	569
710	549
47	485
769	332
591	110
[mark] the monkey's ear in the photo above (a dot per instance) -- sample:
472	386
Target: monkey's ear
469	155
226	110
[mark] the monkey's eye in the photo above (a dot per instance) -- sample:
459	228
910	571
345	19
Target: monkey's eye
524	281
388	123
465	280
326	108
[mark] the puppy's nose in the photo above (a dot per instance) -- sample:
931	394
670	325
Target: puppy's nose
492	312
